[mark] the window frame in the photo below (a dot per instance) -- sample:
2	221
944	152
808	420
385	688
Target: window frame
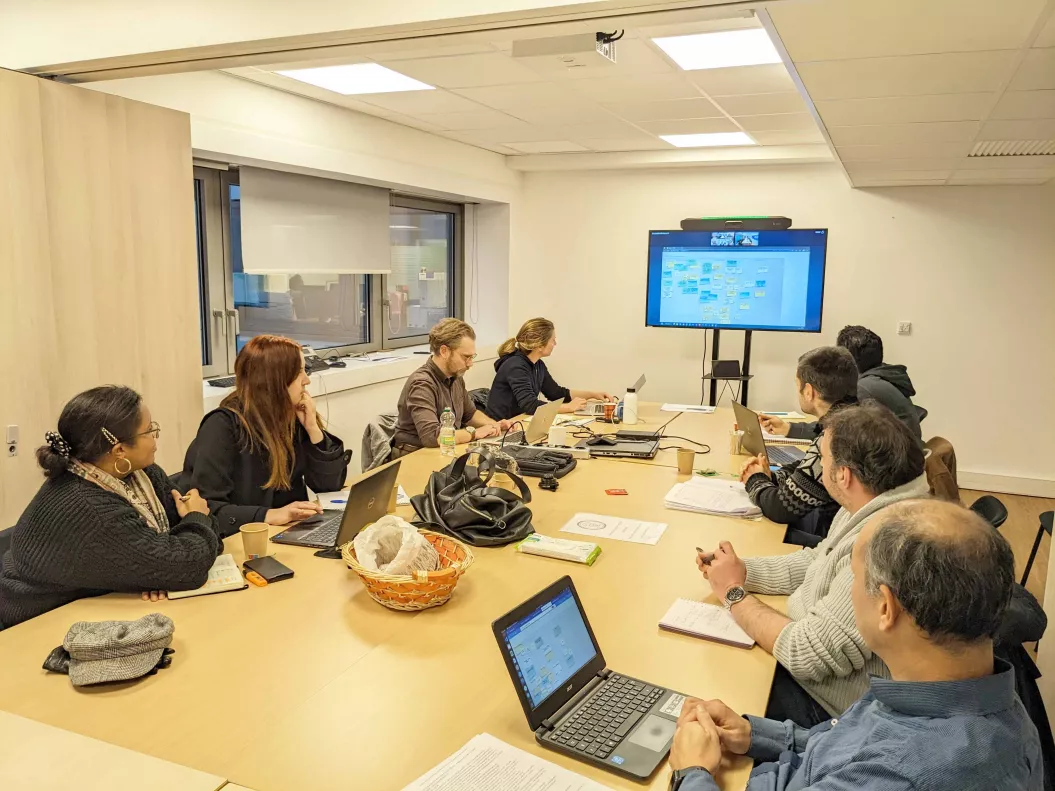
211	261
456	274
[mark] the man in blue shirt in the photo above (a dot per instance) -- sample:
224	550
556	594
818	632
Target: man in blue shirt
931	583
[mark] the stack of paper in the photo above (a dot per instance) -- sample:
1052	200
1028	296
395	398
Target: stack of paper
712	496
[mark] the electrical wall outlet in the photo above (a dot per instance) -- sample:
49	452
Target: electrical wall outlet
12	449
11	437
904	328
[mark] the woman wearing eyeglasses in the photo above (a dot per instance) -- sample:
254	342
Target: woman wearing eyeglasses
105	519
255	456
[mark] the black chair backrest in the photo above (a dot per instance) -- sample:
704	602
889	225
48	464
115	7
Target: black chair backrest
5	540
990	509
479	398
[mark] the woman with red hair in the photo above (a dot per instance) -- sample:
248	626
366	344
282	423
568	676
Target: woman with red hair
255	456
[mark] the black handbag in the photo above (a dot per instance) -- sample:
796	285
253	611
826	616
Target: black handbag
458	501
537	462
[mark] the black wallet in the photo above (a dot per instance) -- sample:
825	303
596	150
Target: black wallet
268	568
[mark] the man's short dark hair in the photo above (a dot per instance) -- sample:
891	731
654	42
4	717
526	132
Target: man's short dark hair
949	569
873	443
864	346
831	371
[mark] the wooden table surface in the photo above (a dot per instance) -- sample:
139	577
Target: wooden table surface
309	684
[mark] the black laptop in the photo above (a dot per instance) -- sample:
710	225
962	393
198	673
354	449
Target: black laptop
367	502
575	704
621	446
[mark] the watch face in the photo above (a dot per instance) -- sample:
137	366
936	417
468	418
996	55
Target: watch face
735	594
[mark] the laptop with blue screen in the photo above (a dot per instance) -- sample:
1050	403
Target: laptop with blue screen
574	703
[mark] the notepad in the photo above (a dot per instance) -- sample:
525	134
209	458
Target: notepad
712	496
705	620
223	576
777	439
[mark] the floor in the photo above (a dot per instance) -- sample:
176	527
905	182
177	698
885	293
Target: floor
1020	529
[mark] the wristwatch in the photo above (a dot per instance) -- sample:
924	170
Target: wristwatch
679	776
471	430
733	595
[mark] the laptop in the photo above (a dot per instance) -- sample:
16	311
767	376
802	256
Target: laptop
537	428
596	408
573	702
367	502
614	446
754	441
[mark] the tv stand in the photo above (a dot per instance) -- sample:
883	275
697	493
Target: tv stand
744	377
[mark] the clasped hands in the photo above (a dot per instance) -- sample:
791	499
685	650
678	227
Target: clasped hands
705	729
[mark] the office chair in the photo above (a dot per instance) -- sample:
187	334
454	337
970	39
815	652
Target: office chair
1046	519
990	509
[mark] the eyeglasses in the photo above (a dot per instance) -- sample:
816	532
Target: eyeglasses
154	428
464	356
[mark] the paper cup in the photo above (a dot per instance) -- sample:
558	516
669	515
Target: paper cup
254	539
686	458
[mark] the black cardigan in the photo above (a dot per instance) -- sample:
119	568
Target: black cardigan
517	384
231	478
75	540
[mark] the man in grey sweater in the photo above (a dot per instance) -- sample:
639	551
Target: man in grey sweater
870	461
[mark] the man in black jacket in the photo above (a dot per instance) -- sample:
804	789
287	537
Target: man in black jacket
888	384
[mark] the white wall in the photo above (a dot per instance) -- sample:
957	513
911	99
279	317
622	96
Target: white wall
972	267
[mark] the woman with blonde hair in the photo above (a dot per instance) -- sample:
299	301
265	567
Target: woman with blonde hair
255	456
521	376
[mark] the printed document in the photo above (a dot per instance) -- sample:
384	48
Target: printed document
614	527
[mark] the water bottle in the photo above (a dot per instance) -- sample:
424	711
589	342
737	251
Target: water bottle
630	407
447	433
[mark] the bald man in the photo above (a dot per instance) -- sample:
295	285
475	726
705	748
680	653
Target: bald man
931	583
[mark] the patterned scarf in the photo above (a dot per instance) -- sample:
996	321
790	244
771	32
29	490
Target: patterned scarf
136	489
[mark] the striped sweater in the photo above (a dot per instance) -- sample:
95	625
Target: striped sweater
821	647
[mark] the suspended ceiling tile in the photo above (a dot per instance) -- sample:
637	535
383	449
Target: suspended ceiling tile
1021	105
739	80
641	87
1018	130
421	102
1037	71
1036	162
906	109
465	137
525	133
547	147
762	103
836	29
416	49
973	72
888	134
507	97
575	113
465	71
902	151
692	126
1047	35
632	57
788	137
870	167
785	121
659	111
475	119
614	129
626	144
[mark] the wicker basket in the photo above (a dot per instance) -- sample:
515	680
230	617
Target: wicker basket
425	588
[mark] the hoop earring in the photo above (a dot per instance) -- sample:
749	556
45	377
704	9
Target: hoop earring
120	471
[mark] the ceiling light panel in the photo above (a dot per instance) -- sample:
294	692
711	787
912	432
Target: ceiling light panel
710	140
721	50
356	79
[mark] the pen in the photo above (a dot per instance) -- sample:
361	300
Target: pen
706	557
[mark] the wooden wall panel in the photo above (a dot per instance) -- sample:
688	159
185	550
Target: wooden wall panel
97	262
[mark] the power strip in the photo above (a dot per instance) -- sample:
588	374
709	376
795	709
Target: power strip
575	453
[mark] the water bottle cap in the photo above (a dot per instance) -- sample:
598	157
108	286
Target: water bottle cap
631	390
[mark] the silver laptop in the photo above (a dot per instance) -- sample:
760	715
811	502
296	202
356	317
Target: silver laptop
367	502
754	440
537	429
596	408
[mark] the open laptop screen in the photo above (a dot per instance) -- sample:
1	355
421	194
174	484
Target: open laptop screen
549	645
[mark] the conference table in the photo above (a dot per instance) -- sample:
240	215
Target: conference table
309	684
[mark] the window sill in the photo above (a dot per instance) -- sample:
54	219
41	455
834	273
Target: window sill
360	372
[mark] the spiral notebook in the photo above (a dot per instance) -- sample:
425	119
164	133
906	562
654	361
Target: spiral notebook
707	621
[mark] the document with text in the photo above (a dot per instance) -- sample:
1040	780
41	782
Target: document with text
599	526
489	764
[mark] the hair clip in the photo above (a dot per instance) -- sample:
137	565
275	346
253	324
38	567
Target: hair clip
113	440
58	444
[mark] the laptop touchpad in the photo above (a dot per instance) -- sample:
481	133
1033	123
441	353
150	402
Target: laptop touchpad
654	733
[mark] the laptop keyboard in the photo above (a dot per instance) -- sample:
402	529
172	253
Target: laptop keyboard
597	727
512	438
326	533
782	456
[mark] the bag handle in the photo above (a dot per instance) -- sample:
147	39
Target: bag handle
485	466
